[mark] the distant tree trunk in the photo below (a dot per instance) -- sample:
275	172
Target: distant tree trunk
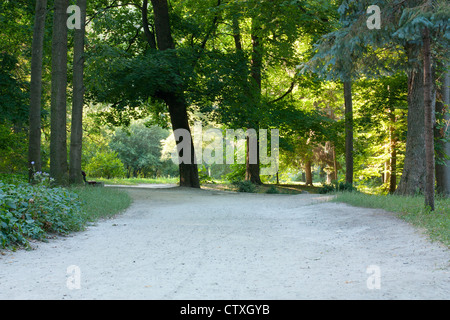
413	177
393	152
348	132
308	173
443	169
78	100
58	136
175	100
34	147
429	125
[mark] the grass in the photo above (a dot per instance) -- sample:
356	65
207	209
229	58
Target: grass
102	203
135	181
265	188
412	209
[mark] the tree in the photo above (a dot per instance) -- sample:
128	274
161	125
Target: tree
348	132
175	100
34	147
443	146
76	137
429	134
58	137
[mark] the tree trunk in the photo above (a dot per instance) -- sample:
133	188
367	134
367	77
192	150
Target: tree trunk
175	100
252	169
429	125
443	166
393	151
413	177
34	147
308	173
76	137
58	136
348	132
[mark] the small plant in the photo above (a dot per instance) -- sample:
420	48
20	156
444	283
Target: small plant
272	190
245	186
336	187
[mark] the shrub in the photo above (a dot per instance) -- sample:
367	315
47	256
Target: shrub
106	165
272	190
33	211
245	186
337	186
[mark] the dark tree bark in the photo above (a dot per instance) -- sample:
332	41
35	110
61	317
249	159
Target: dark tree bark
308	173
429	134
413	177
253	169
78	100
58	136
443	166
348	132
34	148
175	100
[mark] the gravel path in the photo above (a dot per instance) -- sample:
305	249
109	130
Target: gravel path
197	244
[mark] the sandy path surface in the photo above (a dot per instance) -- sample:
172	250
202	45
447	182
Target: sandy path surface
198	244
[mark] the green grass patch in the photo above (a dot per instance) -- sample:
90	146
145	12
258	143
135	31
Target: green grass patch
411	209
101	203
136	181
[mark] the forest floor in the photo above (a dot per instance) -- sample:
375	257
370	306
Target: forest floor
178	243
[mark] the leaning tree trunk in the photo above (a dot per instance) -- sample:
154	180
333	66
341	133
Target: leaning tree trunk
174	100
78	100
413	177
34	147
58	136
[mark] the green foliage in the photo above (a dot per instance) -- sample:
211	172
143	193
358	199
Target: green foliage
272	190
337	187
105	164
139	149
31	212
245	186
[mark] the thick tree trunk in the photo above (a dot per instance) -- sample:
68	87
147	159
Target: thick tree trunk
348	132
174	100
78	100
308	173
429	125
34	148
413	177
443	166
179	118
58	136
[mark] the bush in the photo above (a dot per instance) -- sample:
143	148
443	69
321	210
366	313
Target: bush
105	165
245	186
335	187
273	190
33	211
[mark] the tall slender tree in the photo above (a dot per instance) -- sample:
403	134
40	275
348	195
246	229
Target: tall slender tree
429	134
34	147
58	136
78	99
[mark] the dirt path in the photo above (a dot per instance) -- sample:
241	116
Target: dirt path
187	244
